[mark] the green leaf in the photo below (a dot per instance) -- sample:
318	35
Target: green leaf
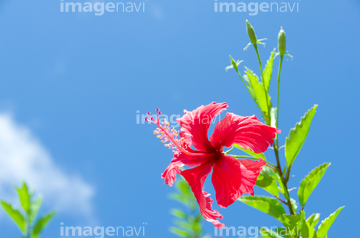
188	222
34	209
178	213
267	205
267	181
326	224
196	224
179	232
266	233
282	187
309	183
260	96
306	231
41	223
184	194
293	223
24	197
248	86
183	187
249	152
308	227
268	71
283	232
184	225
297	136
15	215
313	219
180	198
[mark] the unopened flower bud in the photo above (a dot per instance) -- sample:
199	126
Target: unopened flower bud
282	42
233	63
251	32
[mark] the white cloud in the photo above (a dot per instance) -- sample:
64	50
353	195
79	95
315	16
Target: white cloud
23	158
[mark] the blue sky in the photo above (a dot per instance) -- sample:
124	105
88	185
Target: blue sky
71	84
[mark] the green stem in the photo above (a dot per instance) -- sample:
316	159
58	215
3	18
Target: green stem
267	119
243	80
248	90
284	170
278	99
258	56
243	157
287	175
250	157
227	152
284	180
278	198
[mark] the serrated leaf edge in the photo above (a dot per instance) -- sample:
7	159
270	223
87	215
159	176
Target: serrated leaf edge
326	219
299	125
311	175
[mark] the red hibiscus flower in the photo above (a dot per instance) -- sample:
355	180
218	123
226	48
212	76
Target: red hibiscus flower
231	177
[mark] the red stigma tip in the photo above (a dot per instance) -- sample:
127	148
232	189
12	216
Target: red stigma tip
157	109
159	113
146	119
148	113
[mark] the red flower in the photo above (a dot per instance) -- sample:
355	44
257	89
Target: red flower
231	177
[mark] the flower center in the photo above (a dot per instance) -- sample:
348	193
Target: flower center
169	136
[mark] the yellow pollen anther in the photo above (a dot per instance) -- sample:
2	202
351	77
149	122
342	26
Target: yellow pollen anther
169	136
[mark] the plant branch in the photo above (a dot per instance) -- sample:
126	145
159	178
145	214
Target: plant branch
251	157
287	195
278	99
278	198
263	84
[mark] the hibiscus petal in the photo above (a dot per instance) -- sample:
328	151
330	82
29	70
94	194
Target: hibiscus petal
196	178
248	132
213	213
170	172
250	171
186	139
194	158
232	178
195	124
